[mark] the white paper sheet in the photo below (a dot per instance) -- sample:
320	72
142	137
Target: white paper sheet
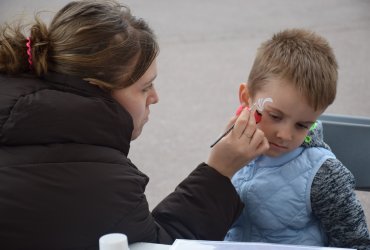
227	245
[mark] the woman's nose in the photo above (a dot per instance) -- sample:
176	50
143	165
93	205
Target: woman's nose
153	98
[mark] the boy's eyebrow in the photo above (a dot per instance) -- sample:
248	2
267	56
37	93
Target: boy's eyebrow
278	110
274	109
308	122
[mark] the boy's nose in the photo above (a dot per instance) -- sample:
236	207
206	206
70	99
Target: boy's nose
285	133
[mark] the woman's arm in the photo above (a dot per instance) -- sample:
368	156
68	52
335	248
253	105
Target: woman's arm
335	204
203	206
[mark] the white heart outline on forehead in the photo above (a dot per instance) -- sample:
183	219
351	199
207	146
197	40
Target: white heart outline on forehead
260	103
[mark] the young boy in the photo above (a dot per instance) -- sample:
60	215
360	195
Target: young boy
297	192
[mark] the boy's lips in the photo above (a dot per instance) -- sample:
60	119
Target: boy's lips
278	146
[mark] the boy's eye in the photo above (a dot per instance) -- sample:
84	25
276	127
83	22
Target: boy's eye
300	125
274	116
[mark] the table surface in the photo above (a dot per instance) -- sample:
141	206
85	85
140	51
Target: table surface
148	246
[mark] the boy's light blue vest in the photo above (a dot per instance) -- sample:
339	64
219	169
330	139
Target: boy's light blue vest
277	199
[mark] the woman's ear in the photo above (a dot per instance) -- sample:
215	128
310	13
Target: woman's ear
243	94
100	84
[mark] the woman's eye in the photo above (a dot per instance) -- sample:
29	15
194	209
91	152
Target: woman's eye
147	88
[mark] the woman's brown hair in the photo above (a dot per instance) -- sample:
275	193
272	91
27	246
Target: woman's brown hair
96	40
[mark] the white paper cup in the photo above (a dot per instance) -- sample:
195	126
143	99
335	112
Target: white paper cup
114	241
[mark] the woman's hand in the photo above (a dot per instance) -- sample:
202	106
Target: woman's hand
244	143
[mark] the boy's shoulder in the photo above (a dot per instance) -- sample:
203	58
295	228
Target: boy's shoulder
332	167
332	176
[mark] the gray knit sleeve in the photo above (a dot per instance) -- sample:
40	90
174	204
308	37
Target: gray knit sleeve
335	204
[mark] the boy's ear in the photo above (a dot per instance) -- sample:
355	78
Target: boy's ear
243	94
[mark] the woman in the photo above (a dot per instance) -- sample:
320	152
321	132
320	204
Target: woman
72	97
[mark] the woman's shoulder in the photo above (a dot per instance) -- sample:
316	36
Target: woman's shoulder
20	85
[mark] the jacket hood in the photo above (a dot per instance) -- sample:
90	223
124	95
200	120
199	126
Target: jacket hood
315	137
61	109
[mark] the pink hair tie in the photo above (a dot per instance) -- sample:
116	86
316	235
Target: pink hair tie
29	51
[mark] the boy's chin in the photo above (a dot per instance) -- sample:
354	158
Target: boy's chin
273	153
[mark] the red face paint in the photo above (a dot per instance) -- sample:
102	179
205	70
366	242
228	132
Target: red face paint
257	114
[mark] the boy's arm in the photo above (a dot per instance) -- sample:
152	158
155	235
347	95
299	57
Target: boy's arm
335	204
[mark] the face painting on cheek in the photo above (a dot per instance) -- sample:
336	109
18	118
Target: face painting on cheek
257	107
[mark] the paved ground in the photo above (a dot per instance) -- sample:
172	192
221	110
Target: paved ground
207	48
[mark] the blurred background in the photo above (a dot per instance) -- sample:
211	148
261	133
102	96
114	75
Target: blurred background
207	48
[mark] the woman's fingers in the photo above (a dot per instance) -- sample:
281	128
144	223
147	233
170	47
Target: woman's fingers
237	148
231	122
259	142
245	124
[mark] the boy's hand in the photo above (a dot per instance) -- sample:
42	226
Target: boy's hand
244	143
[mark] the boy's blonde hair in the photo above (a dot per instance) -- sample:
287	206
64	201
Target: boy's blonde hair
301	57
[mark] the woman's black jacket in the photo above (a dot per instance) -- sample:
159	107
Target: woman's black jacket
65	179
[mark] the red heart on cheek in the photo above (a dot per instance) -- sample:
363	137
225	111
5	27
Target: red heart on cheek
257	116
